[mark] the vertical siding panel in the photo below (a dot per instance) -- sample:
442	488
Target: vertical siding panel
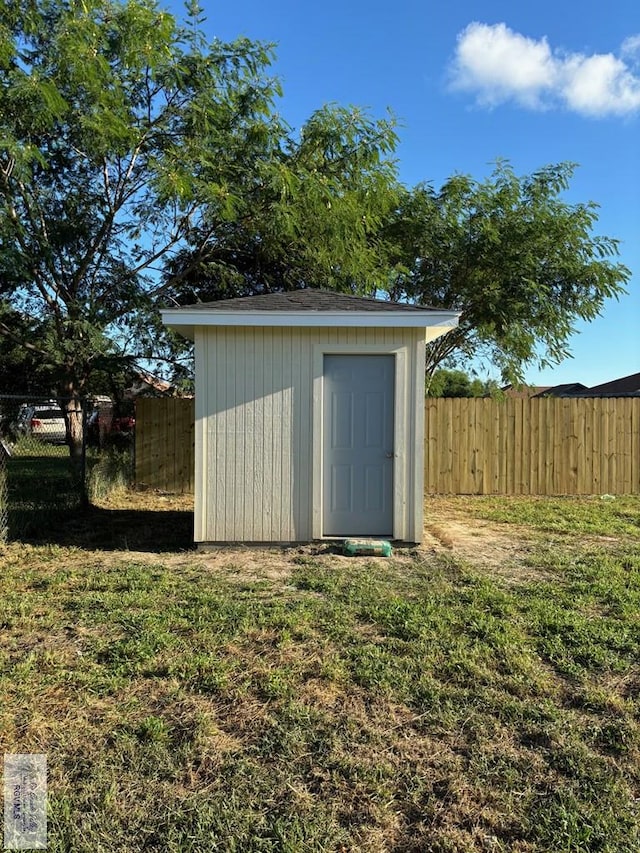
286	442
416	397
249	474
260	526
300	481
307	340
275	432
201	445
228	435
216	470
241	492
286	484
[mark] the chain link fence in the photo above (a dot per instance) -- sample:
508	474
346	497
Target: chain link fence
49	459
5	453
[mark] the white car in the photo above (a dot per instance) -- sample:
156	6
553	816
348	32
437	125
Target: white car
44	422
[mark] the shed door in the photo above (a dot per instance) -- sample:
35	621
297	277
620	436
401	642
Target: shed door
357	465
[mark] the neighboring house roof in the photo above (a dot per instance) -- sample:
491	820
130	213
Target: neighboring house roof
147	385
310	308
523	393
626	386
568	389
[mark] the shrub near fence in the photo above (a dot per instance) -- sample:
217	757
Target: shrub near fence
542	446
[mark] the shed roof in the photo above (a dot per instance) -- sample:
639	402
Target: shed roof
305	300
310	307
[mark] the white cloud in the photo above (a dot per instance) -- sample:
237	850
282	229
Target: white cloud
630	48
499	65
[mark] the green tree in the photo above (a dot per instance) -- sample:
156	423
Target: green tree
308	215
115	125
519	262
23	364
138	164
456	383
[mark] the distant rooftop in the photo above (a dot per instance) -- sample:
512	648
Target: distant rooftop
567	389
625	385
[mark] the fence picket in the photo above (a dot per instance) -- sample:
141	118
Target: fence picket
478	446
537	446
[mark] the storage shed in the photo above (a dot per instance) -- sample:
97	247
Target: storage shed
309	415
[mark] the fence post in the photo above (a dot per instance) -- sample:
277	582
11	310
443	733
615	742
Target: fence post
5	453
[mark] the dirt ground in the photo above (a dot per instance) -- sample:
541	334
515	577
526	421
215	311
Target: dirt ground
499	548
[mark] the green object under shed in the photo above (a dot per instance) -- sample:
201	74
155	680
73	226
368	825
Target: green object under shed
367	547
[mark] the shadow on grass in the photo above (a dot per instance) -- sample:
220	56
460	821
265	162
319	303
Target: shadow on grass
95	528
45	507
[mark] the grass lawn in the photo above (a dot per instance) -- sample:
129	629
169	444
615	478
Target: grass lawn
480	693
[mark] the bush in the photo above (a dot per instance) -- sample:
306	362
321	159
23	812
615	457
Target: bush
110	471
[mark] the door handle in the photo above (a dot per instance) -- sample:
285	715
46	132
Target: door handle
390	455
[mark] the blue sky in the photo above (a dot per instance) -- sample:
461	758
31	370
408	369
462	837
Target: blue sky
535	83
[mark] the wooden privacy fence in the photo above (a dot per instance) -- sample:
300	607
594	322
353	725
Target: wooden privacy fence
165	443
541	446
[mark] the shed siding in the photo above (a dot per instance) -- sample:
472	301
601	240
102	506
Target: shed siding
254	429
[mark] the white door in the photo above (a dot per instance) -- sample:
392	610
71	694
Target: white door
357	465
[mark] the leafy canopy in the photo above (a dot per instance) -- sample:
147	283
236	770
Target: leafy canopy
457	383
139	165
115	127
517	260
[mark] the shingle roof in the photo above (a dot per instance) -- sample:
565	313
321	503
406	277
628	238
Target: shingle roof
625	385
567	389
304	300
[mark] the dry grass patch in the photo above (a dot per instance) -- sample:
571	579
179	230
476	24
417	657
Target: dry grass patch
457	697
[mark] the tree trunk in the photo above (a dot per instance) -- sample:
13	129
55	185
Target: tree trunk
74	420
